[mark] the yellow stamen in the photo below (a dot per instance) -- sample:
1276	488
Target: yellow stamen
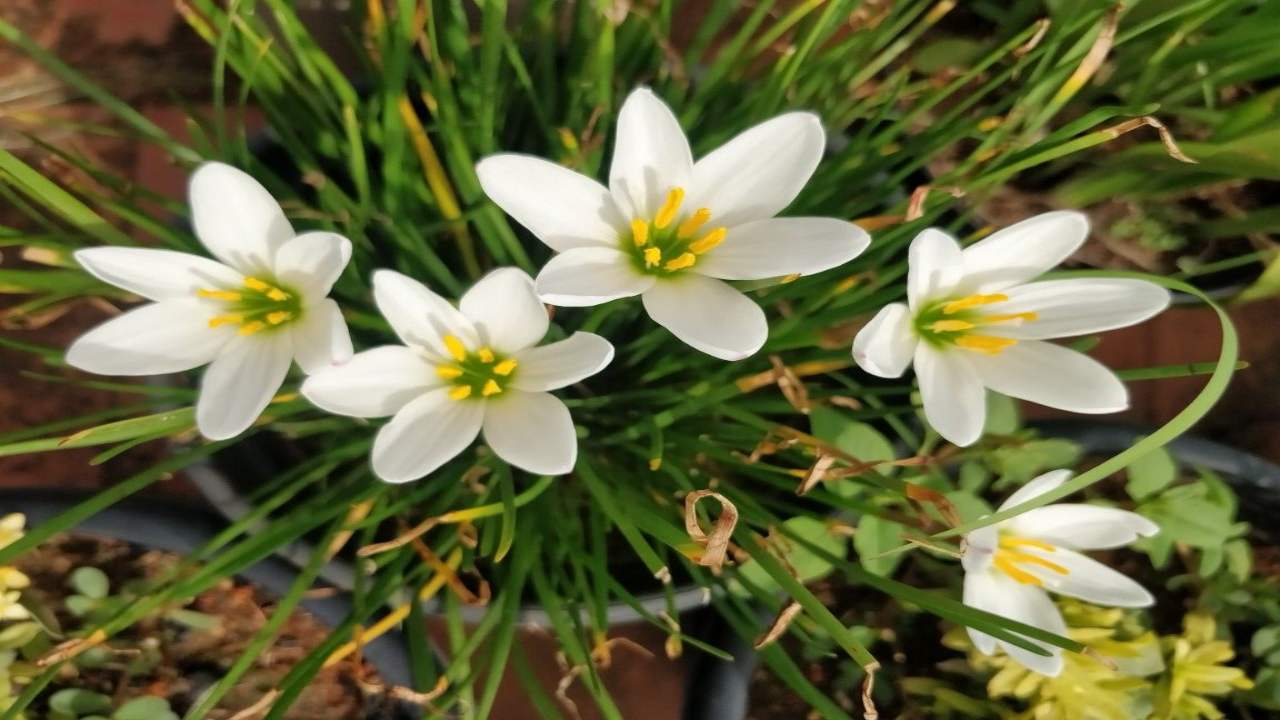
708	241
1029	559
652	257
951	326
228	295
692	223
221	320
1013	541
988	344
1015	572
455	347
972	301
640	232
448	372
505	367
250	328
1010	317
491	388
485	355
279	316
462	392
254	283
277	294
668	211
684	261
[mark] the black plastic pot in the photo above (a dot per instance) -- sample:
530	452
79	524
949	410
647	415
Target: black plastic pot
1255	480
181	530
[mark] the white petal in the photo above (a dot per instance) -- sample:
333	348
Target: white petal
240	383
532	431
1067	308
156	274
1023	251
650	155
978	548
562	363
955	402
562	208
708	315
934	267
1036	487
425	434
1054	376
320	337
1082	527
236	218
590	276
760	171
980	593
420	317
1087	579
157	338
312	262
374	383
884	347
784	246
506	310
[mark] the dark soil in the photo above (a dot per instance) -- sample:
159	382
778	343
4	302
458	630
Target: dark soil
193	660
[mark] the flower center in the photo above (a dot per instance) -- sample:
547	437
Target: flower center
959	322
1011	558
257	306
482	373
668	244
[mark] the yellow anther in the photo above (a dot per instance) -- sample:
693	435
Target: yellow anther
988	344
972	301
279	316
491	388
708	241
250	328
505	368
1015	572
455	347
227	295
1010	317
462	392
277	294
221	320
686	260
951	326
485	355
1013	541
640	232
669	209
448	372
692	223
652	256
254	283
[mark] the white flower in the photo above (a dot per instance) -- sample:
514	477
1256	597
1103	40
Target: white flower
672	230
249	316
460	370
972	321
1009	566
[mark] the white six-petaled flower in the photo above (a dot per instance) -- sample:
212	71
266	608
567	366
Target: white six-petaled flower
672	230
248	316
460	370
1010	565
973	321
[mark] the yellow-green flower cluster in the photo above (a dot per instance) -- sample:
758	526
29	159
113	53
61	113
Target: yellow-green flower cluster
1198	672
12	580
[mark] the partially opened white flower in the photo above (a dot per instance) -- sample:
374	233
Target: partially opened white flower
973	321
462	370
672	230
248	317
1009	566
